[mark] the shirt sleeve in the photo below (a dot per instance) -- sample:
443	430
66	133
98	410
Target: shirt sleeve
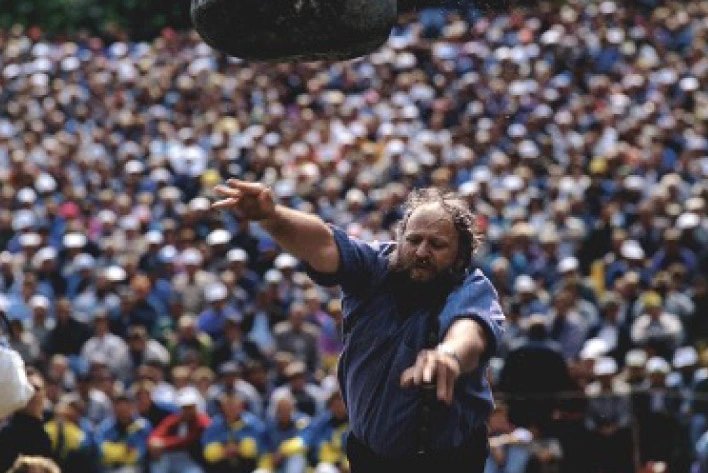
358	262
477	300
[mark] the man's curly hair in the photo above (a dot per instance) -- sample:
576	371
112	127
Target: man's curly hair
462	217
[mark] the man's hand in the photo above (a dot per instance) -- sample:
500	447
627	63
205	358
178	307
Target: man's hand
250	200
432	365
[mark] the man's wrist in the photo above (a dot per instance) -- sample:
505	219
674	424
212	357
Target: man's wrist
446	350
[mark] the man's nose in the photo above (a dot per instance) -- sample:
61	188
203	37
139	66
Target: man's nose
422	250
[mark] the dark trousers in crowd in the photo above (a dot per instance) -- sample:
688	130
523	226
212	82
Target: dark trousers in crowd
469	458
611	453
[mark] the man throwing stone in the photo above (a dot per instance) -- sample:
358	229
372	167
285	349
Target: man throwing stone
420	325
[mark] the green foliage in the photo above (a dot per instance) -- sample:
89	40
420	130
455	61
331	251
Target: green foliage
141	18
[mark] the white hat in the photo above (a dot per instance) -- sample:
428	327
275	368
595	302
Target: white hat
468	188
605	366
188	396
107	216
688	220
40	301
636	358
167	253
216	292
567	264
84	261
45	254
74	240
191	256
285	261
237	254
134	167
685	356
218	237
631	249
160	175
26	196
30	239
657	364
594	349
199	203
170	193
154	237
273	276
115	273
524	283
129	222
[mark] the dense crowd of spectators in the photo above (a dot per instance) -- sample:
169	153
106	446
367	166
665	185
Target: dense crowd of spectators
169	336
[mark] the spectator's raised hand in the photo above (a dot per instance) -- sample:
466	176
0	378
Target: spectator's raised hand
249	200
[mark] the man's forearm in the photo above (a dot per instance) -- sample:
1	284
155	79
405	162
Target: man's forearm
304	236
467	340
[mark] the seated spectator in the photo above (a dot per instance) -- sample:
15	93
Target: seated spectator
308	396
236	440
233	346
608	419
188	340
142	349
568	327
153	410
655	328
174	443
122	440
24	434
324	440
110	346
231	381
23	342
212	320
285	424
72	445
611	329
298	337
69	335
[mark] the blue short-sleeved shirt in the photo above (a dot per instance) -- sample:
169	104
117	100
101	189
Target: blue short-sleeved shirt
382	342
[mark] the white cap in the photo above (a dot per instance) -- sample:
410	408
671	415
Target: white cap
23	219
84	261
237	254
631	249
285	261
129	222
134	167
40	301
30	239
188	396
115	273
191	256
46	253
26	196
685	356
74	240
688	220
215	292
167	253
605	366
273	276
107	216
636	358
657	364
594	349
218	237
199	204
524	283
567	264
154	237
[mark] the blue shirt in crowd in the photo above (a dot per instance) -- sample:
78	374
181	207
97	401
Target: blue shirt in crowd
384	333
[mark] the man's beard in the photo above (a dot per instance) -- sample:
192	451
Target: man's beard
412	292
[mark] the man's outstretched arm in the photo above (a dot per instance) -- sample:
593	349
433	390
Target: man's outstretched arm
303	235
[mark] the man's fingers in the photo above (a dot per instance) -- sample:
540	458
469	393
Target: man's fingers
441	381
227	191
251	188
429	371
407	377
225	203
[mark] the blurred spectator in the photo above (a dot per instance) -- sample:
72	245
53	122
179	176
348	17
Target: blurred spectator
109	346
123	439
236	440
174	443
24	434
299	337
655	328
285	426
